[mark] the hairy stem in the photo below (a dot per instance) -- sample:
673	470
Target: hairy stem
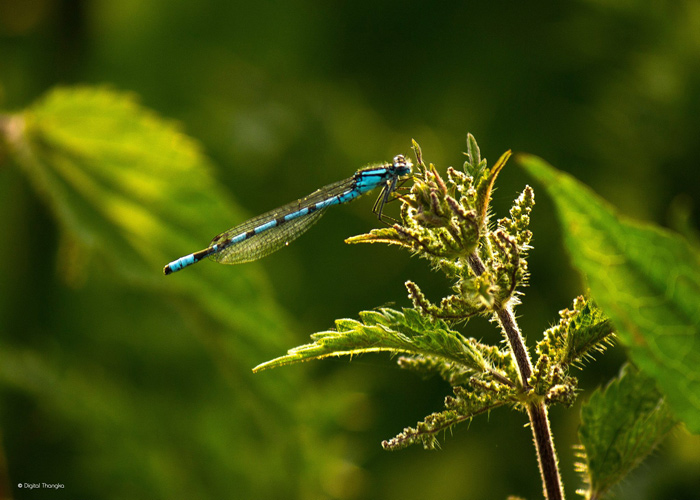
517	345
536	410
546	454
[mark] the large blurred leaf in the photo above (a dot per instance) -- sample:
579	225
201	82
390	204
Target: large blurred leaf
136	192
118	177
133	192
620	426
645	278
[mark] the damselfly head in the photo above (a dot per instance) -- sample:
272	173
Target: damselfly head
402	165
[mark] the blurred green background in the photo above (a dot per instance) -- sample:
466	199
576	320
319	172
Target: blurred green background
122	388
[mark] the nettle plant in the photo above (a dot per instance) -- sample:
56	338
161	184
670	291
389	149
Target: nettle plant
447	221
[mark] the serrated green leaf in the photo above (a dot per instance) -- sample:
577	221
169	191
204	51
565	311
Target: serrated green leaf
391	331
588	331
645	278
620	426
580	333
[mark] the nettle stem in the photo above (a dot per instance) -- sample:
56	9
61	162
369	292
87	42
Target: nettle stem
546	454
536	410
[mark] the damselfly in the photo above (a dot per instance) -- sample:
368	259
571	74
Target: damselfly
267	233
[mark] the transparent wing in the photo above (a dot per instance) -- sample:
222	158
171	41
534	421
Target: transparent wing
265	243
317	196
